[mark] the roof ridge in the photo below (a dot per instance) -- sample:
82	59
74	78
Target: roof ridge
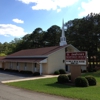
52	50
41	48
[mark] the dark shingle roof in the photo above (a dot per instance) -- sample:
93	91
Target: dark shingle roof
1	57
36	52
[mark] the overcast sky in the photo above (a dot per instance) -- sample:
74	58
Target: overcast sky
19	17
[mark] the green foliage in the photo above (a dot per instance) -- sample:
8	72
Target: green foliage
81	82
56	73
49	86
63	79
84	71
2	54
91	80
84	34
36	74
69	76
62	71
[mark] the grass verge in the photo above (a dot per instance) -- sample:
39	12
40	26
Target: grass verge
50	86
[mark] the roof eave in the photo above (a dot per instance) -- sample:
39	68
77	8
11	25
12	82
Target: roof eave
40	56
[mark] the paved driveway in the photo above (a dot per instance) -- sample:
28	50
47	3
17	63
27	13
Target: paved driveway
10	75
11	93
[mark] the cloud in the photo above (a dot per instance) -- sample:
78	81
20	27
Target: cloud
91	6
18	21
11	30
49	4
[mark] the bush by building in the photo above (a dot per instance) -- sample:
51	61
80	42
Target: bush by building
91	80
63	79
81	82
62	71
56	73
69	76
36	74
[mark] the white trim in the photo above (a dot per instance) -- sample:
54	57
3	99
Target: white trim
43	61
40	68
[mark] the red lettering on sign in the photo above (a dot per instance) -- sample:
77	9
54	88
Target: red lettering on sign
76	56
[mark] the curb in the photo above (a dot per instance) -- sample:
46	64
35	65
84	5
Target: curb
26	79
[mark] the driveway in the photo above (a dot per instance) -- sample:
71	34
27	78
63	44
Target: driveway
13	75
11	93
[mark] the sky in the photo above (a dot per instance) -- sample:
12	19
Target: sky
21	17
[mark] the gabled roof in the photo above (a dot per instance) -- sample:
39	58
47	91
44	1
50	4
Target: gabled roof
33	55
35	52
2	57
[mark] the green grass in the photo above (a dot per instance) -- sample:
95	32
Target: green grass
51	87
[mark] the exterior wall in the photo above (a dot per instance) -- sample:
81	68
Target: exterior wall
29	67
71	49
7	65
45	68
21	66
56	61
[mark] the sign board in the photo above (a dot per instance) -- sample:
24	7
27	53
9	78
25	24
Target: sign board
76	58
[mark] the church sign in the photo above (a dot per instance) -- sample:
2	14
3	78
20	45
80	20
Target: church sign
76	58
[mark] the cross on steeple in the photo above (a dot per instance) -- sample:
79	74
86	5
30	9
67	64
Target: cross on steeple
63	38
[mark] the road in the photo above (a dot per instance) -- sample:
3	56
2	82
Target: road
7	75
10	93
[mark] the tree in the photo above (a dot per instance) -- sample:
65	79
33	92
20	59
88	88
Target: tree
52	36
36	38
85	34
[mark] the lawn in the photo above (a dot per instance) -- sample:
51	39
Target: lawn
50	86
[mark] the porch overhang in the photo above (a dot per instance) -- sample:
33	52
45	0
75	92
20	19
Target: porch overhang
28	60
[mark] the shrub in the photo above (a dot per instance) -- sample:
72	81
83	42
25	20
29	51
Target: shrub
91	80
69	76
84	71
36	74
81	82
25	72
63	79
62	71
56	73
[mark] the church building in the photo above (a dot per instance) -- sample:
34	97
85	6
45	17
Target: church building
44	60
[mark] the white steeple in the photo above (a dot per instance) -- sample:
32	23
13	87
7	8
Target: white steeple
63	38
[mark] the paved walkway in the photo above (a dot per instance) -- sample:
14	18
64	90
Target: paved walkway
32	78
